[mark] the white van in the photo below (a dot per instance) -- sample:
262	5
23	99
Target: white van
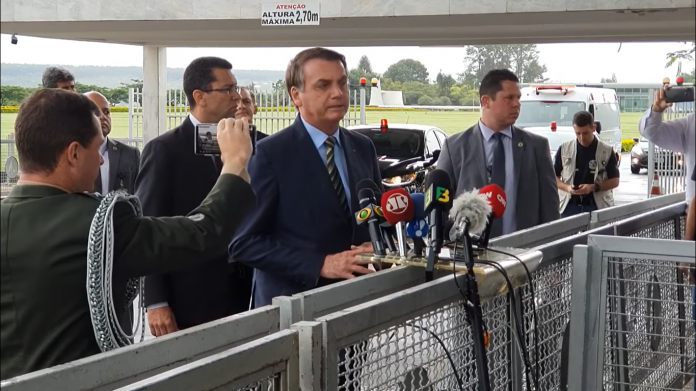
548	110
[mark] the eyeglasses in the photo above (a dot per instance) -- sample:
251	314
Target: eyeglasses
229	90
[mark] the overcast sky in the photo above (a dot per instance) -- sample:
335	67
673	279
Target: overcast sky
581	62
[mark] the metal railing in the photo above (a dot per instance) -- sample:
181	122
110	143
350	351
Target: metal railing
376	330
416	337
275	110
633	319
117	368
267	364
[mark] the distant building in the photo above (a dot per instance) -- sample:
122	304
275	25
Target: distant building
633	97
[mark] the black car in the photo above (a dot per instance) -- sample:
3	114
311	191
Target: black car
664	159
405	151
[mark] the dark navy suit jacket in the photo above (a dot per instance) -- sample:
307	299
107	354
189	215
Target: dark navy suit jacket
298	219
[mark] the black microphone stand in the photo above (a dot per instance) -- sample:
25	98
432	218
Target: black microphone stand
475	314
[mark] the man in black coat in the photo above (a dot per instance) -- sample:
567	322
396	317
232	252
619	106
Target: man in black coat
172	181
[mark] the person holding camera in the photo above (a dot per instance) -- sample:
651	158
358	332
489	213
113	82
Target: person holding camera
678	135
172	180
587	171
46	223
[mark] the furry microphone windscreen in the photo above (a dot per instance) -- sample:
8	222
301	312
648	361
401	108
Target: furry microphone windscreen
471	207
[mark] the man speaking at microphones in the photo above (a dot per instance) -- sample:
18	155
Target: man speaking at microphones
303	233
495	151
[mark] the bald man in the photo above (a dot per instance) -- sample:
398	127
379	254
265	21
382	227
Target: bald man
121	161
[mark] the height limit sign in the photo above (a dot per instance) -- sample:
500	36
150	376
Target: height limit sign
301	14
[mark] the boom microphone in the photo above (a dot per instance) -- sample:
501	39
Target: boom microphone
367	215
470	214
437	201
398	209
496	198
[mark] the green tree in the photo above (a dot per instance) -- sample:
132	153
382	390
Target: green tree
444	83
364	65
523	60
679	55
611	79
14	95
407	70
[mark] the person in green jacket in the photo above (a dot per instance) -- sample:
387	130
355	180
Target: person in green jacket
46	222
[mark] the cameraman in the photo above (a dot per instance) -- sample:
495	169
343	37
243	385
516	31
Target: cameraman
678	135
46	222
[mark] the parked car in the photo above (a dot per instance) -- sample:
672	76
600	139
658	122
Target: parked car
406	152
664	159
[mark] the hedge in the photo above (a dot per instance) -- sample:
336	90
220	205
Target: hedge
627	144
173	109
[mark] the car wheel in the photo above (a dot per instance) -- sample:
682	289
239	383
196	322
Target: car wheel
635	169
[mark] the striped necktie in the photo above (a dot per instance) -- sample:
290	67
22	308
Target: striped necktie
334	176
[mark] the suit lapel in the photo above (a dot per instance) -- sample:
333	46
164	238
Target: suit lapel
114	161
518	151
479	158
352	162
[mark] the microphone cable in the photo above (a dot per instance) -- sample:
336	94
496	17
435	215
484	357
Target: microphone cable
100	264
534	310
455	372
519	326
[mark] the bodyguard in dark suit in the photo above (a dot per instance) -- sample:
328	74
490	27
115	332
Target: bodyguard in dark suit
121	161
173	180
302	233
46	222
495	151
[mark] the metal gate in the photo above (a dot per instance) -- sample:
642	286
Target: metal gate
670	166
275	110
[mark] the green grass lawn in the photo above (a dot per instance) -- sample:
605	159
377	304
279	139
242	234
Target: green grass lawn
449	121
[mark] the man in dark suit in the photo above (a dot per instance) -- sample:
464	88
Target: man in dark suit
247	108
46	223
121	161
302	233
173	180
495	151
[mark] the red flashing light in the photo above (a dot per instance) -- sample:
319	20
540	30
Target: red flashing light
680	81
554	126
363	81
383	125
591	96
563	88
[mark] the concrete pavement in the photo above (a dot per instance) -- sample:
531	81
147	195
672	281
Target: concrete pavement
633	187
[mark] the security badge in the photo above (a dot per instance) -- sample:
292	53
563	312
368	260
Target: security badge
593	165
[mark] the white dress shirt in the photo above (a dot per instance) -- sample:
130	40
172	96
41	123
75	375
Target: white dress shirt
104	169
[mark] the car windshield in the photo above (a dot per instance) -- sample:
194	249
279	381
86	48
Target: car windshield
557	138
396	143
542	113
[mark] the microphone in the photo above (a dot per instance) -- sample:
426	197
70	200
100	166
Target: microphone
398	208
470	214
497	199
367	215
417	228
437	200
384	227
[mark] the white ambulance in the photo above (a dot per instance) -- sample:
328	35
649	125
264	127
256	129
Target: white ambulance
548	110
